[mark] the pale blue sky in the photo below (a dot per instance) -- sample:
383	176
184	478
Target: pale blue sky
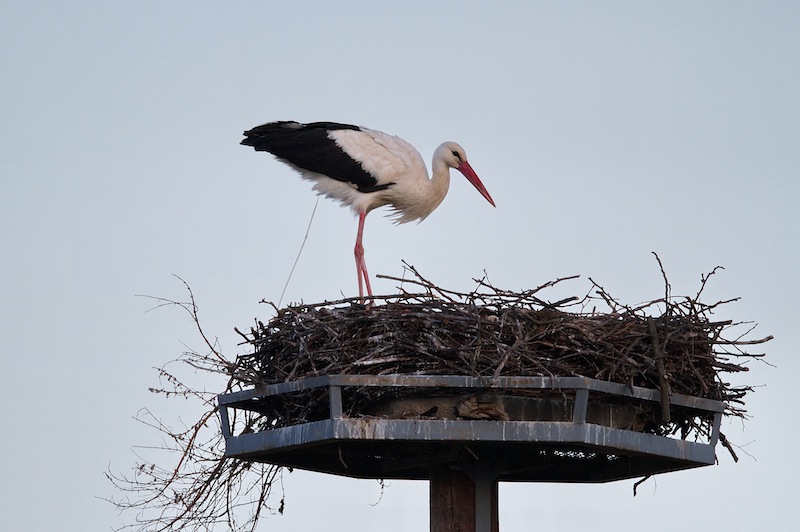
603	130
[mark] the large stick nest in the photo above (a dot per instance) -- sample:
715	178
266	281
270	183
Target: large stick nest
669	343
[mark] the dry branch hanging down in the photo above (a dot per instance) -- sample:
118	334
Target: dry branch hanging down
671	343
185	483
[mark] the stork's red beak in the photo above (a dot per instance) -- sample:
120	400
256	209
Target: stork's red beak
472	177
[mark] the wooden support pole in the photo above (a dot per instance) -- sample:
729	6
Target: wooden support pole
486	512
461	504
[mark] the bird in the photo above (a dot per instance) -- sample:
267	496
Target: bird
365	169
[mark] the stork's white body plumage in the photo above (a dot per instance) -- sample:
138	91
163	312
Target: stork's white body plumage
365	169
389	159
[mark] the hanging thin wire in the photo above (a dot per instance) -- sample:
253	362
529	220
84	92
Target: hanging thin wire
299	252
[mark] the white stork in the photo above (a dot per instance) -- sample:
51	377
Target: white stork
365	169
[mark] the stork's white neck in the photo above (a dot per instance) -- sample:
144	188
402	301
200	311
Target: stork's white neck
424	195
440	177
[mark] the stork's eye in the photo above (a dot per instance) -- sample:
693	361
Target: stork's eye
456	155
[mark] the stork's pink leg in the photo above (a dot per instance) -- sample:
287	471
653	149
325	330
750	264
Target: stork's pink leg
361	265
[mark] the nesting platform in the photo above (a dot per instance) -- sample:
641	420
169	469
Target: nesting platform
531	429
466	390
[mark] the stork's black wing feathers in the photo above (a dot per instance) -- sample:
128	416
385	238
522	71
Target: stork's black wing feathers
309	147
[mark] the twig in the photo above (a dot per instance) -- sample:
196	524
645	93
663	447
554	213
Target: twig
663	384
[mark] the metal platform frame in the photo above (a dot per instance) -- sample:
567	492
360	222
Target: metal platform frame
487	451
